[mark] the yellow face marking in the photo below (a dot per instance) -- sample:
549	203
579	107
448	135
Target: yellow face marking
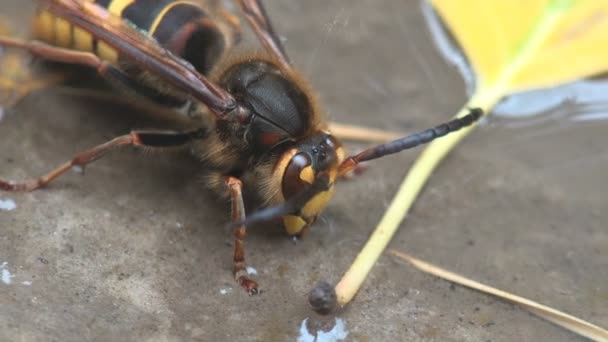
293	224
314	207
83	40
307	174
44	27
63	33
161	15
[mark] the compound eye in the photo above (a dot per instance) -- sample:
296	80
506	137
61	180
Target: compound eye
298	175
331	142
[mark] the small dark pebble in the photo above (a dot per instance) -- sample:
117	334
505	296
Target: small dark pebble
43	260
322	298
69	248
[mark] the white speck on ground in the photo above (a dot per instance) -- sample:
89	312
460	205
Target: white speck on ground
7	204
337	333
77	169
305	335
251	270
26	283
6	274
226	290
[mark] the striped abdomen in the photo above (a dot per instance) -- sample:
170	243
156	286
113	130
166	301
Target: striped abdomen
185	28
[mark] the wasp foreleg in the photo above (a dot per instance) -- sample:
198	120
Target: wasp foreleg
68	56
52	53
153	139
238	214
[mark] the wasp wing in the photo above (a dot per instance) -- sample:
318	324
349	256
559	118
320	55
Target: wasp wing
143	51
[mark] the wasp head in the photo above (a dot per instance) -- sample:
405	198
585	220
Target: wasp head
308	176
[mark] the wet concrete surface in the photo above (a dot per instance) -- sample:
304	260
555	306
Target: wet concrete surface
136	249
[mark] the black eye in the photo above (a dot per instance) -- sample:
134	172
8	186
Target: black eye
298	175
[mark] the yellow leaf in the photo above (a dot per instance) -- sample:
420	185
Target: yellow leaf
529	44
512	45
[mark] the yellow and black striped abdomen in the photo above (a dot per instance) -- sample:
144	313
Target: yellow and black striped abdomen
183	27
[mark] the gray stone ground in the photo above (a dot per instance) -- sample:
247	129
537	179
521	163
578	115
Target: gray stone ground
136	250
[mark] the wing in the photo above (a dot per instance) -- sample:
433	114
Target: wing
143	51
259	21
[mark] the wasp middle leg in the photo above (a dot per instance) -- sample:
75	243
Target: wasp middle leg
238	214
151	139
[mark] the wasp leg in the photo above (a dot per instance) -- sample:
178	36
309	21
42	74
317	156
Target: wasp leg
53	53
109	72
153	139
238	214
258	19
68	56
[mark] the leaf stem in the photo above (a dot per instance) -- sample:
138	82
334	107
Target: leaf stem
485	98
